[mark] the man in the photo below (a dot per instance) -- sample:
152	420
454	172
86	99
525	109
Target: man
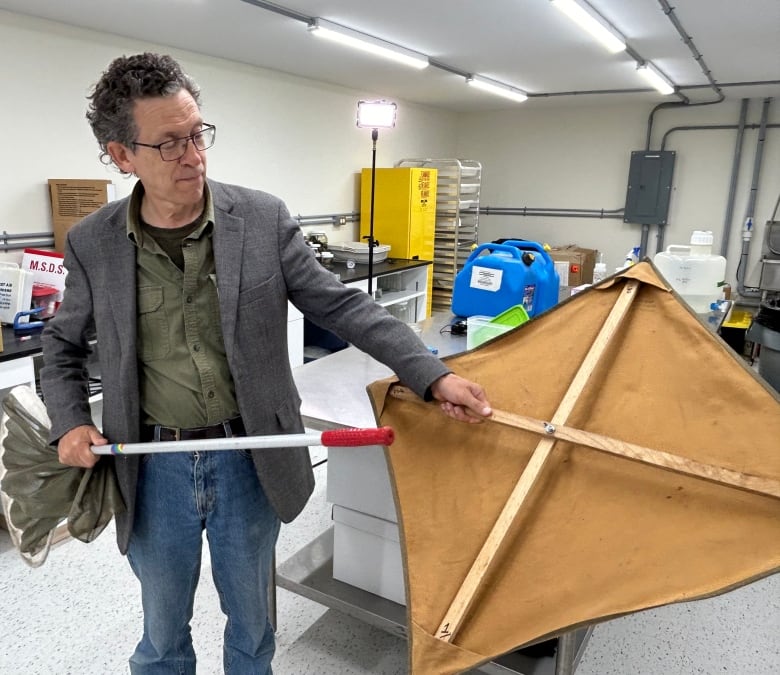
185	284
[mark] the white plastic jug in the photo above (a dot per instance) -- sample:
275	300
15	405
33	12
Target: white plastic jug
693	271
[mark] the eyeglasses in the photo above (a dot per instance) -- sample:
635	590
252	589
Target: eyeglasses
170	151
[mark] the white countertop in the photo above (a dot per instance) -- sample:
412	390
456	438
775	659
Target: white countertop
333	388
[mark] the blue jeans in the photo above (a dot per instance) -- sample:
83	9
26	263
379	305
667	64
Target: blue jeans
179	495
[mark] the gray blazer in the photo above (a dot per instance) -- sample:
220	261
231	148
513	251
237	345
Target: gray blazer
261	263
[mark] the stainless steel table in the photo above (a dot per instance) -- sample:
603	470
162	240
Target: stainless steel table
333	390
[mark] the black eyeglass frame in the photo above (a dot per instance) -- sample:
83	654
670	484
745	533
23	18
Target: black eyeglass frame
191	138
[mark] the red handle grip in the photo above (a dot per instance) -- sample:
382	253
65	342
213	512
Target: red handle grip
344	438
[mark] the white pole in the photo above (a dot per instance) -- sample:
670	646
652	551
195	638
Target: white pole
331	438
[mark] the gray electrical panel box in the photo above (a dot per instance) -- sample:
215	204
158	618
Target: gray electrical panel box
649	187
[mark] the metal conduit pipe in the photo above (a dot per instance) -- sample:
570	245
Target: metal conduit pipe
740	127
435	63
354	216
328	218
760	143
14	242
637	90
644	236
712	127
548	214
5	237
523	210
661	233
724	243
278	9
327	215
669	11
659	238
651	117
678	105
726	85
747	232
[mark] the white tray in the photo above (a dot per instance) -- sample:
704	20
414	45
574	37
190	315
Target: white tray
357	251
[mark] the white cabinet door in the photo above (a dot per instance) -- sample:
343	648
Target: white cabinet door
295	342
294	335
362	284
17	371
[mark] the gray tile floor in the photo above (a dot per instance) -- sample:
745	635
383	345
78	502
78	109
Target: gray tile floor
79	614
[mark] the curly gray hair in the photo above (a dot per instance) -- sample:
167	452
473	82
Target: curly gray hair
127	79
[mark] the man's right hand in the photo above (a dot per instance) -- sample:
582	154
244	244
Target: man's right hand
74	447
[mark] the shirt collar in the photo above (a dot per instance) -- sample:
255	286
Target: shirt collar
134	230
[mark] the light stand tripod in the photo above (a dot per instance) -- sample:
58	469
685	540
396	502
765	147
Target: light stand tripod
374	115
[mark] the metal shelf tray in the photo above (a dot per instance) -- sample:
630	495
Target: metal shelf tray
309	573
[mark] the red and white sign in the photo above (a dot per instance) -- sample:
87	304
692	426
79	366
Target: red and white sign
47	268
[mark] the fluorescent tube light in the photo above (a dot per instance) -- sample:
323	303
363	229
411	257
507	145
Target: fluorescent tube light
590	20
376	114
367	43
497	88
655	78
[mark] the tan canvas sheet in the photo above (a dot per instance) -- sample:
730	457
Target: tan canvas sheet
599	535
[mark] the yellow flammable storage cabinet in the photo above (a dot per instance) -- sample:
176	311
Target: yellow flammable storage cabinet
404	213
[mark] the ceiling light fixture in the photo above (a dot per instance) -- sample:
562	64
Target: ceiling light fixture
367	43
590	20
497	88
655	78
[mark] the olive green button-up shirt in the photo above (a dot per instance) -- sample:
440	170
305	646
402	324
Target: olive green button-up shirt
183	371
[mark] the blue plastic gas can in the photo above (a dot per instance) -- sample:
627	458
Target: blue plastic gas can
499	276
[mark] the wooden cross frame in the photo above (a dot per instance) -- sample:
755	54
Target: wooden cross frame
554	430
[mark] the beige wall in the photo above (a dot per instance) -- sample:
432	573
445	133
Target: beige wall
297	138
578	157
293	137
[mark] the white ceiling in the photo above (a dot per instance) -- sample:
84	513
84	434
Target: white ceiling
525	43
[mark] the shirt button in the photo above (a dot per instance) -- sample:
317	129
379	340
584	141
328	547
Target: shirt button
211	394
196	348
189	299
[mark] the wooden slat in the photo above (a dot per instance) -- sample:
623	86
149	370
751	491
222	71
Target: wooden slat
690	467
464	598
664	460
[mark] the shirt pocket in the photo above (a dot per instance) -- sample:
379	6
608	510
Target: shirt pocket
153	340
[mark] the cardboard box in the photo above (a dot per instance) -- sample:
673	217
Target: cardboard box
367	554
74	198
574	264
